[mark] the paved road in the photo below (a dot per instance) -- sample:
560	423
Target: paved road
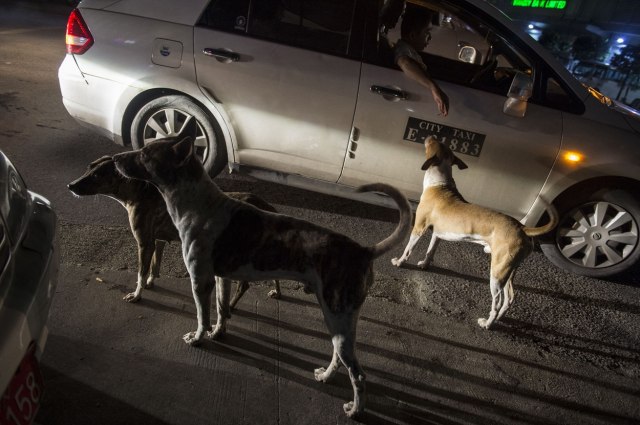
568	351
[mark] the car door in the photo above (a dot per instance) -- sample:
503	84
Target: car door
282	72
508	157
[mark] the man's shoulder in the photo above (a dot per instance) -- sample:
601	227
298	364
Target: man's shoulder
402	48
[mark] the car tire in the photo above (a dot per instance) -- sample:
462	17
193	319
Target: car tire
165	117
597	234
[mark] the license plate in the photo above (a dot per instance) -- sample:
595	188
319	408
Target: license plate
459	140
21	400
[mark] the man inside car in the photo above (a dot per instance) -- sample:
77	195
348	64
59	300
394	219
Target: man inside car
415	32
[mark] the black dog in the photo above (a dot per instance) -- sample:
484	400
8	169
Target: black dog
150	223
224	239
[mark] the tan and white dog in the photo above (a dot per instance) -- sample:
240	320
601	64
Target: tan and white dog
443	209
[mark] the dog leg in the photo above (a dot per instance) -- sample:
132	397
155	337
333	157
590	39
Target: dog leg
155	263
431	249
496	302
343	335
223	289
201	289
241	288
347	355
275	293
507	293
145	252
324	375
413	240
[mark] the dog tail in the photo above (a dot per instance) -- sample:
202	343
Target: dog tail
554	218
404	225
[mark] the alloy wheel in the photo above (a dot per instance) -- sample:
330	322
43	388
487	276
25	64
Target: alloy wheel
597	234
170	122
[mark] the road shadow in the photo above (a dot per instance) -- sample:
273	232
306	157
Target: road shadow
69	401
278	194
416	393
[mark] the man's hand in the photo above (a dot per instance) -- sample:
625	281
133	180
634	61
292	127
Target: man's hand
441	99
413	70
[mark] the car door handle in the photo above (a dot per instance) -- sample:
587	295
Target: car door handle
221	54
389	93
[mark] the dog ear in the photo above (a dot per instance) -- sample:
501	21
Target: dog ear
434	160
457	161
183	150
99	161
190	128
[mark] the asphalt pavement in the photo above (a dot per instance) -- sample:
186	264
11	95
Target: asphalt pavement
111	362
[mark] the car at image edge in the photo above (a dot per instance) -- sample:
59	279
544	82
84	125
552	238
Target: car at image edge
29	263
310	97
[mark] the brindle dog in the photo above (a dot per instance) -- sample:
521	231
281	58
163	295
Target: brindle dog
233	240
150	223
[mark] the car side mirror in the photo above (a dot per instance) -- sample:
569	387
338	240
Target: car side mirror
519	93
467	53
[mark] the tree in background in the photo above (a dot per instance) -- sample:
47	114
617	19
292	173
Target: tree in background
557	43
589	47
628	63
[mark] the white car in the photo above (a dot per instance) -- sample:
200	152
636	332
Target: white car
306	93
29	262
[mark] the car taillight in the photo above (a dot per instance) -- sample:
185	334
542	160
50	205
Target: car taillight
78	38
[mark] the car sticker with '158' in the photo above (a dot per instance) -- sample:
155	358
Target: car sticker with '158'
457	139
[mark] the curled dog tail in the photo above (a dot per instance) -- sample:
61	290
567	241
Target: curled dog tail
537	231
404	225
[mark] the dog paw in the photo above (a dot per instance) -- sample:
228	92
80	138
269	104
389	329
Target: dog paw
423	264
132	297
275	294
396	262
484	323
217	332
320	374
350	409
191	339
149	285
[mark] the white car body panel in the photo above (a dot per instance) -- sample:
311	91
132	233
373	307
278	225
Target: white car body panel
184	12
123	53
116	73
291	108
503	176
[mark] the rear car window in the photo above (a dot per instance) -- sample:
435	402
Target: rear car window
322	25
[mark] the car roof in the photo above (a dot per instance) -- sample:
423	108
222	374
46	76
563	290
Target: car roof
184	12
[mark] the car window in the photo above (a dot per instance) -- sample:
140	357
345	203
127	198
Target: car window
556	96
317	25
462	49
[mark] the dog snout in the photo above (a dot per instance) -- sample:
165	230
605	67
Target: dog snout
72	189
80	187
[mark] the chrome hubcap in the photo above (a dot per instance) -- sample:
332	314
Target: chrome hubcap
171	123
598	234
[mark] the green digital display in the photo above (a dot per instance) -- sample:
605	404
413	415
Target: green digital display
543	4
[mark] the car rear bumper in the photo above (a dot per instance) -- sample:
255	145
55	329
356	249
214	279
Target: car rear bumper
92	101
26	306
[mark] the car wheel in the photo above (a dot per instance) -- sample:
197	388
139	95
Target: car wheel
597	234
166	117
